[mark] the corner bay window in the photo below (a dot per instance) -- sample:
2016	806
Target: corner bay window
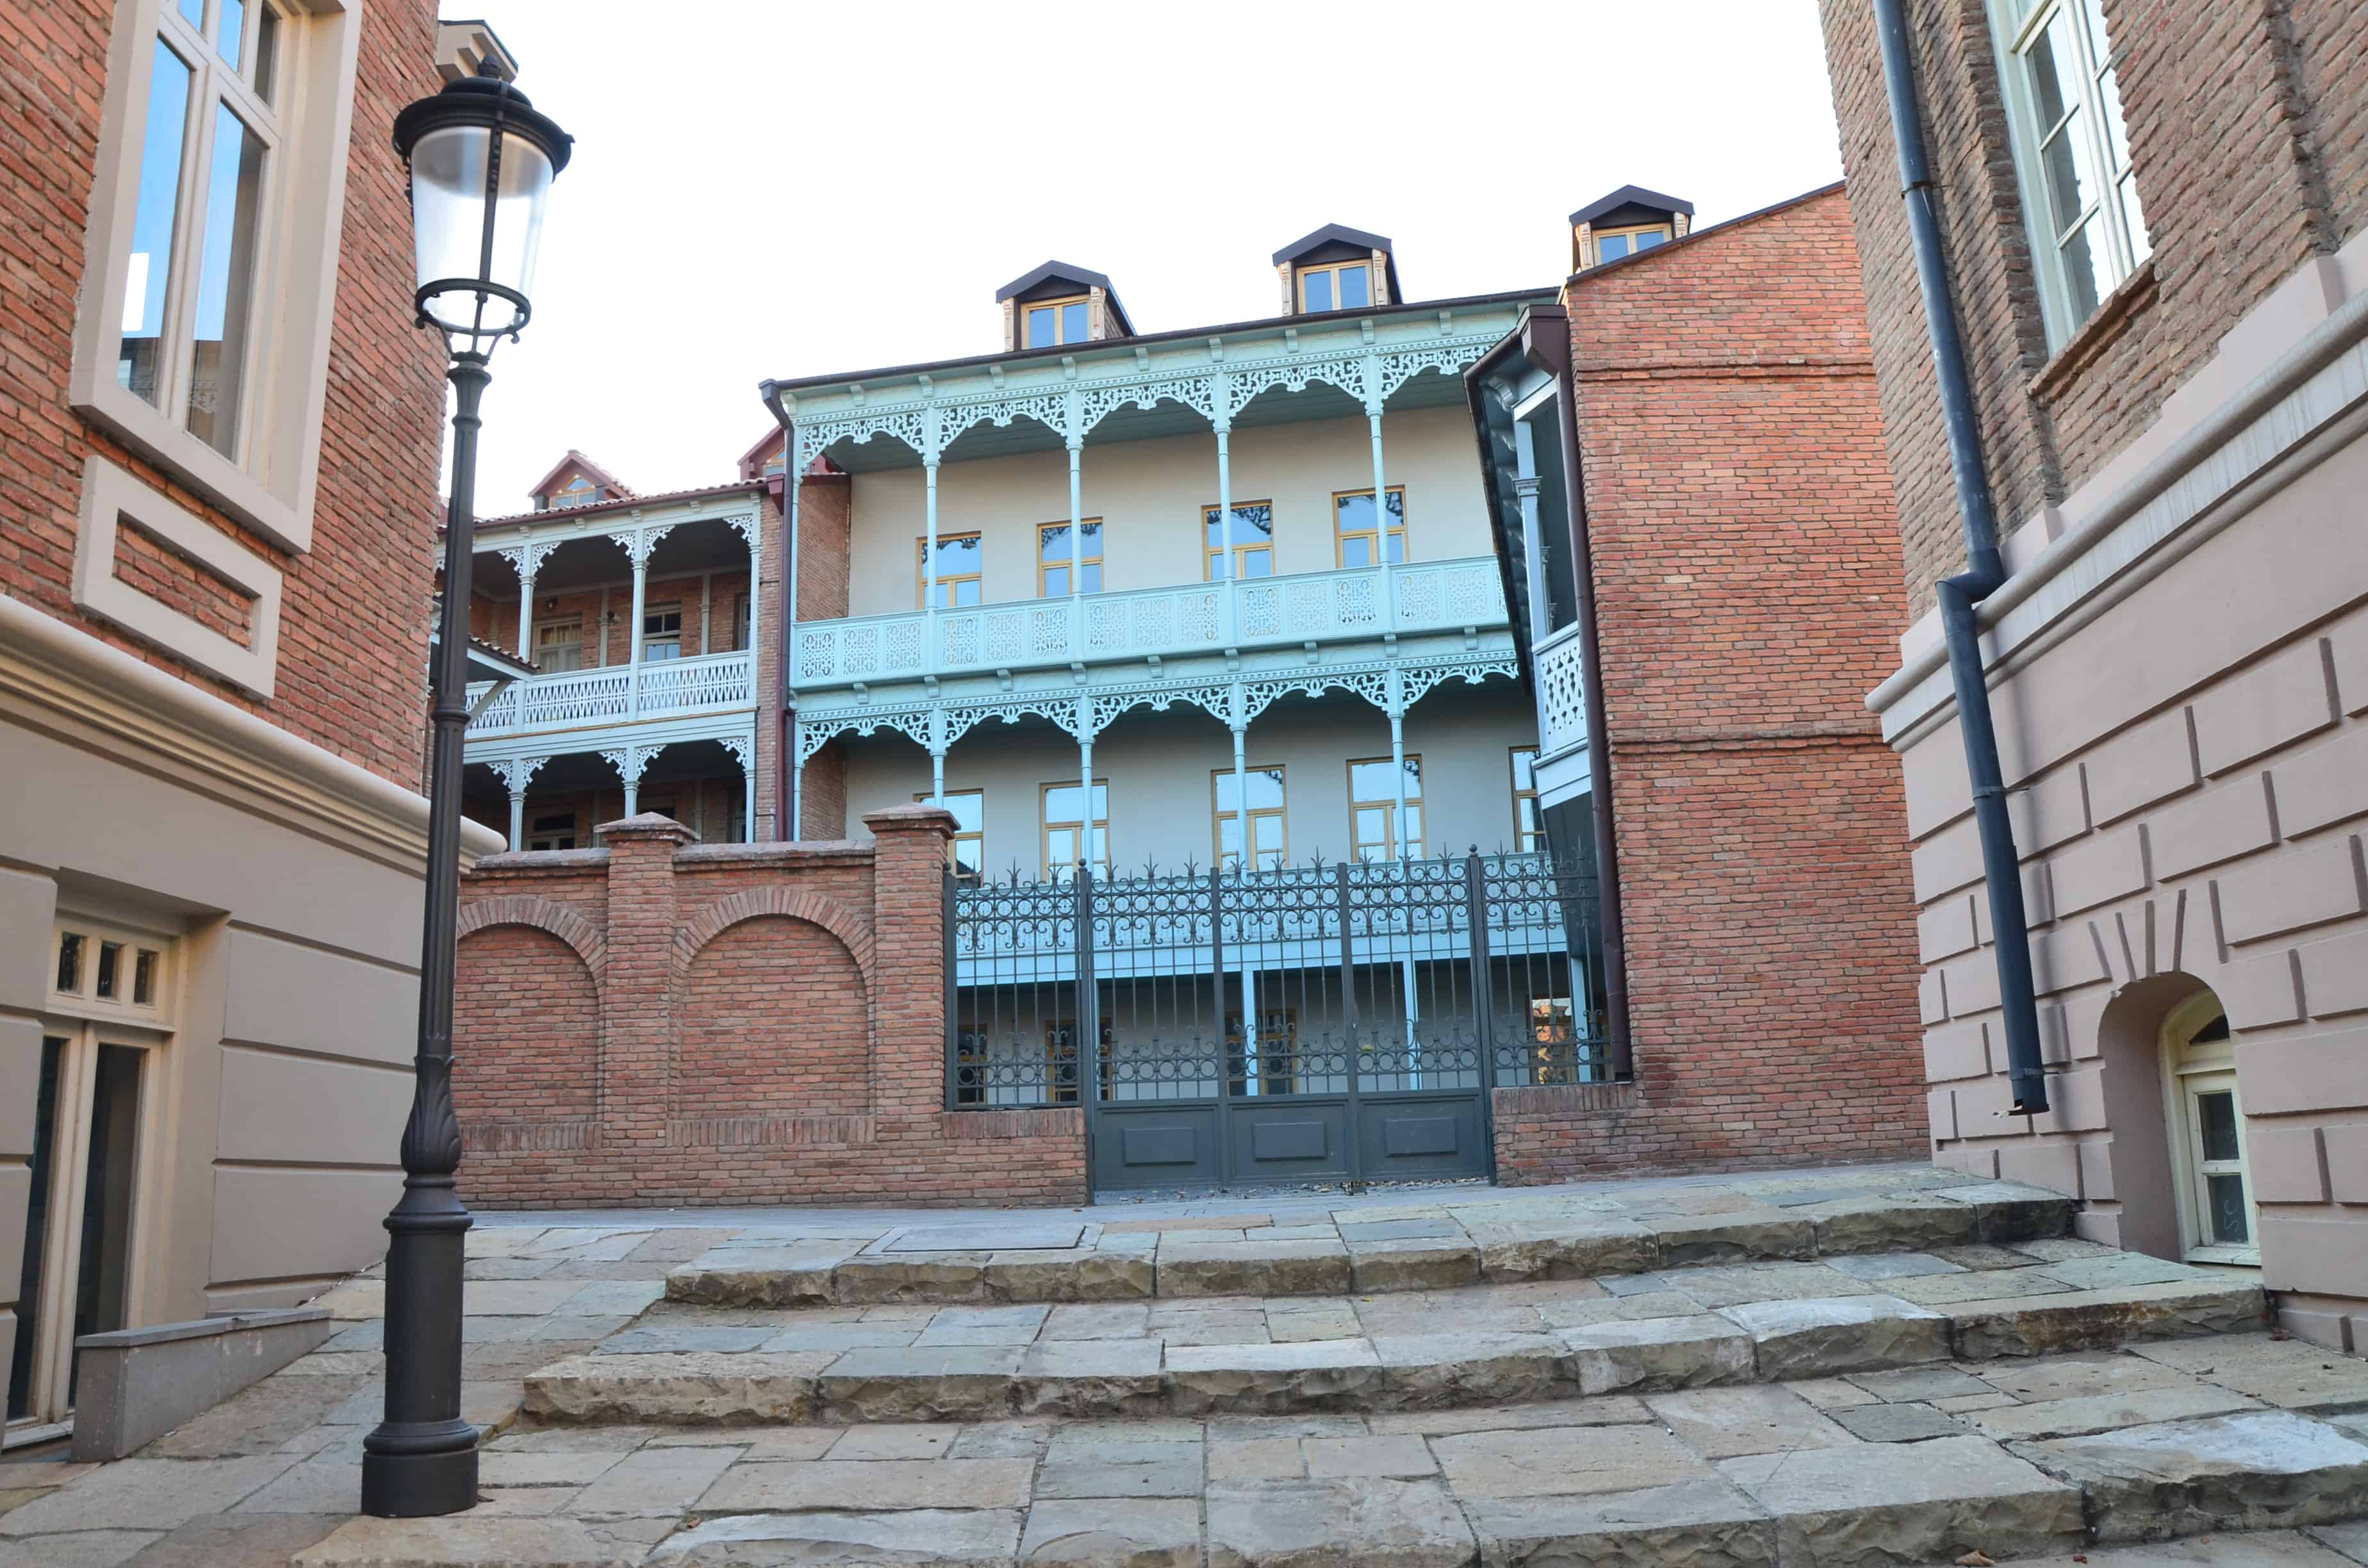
2080	195
1053	322
1253	540
1342	288
1270	847
1055	556
207	158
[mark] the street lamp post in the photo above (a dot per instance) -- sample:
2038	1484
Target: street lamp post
481	160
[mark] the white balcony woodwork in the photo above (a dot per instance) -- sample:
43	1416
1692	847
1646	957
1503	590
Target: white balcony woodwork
669	688
1268	617
1558	668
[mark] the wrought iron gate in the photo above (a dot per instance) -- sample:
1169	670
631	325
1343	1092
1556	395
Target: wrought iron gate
1335	1023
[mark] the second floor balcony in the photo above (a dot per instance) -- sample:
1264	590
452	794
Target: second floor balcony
666	689
1272	619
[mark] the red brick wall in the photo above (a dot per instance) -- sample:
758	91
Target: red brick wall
775	1022
534	1056
767	1024
354	612
2249	133
1744	565
822	557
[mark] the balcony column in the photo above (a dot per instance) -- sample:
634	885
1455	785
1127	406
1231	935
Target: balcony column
743	752
1381	492
1225	523
530	560
630	762
516	773
1086	777
938	744
638	550
1525	488
1397	775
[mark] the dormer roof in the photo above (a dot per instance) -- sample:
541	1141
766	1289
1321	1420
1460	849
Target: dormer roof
576	462
1332	233
1069	278
1649	203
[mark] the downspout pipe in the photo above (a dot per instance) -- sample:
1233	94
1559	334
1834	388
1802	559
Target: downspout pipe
1545	344
784	714
2001	867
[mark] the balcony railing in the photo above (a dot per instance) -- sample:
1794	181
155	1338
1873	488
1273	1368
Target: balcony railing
1562	694
1316	606
669	688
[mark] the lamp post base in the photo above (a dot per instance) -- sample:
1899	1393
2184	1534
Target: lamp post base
440	1479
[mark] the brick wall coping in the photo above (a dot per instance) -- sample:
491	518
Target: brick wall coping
2048	595
543	860
810	852
905	819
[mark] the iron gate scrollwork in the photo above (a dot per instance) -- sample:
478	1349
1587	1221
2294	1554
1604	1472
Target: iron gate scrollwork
1334	1022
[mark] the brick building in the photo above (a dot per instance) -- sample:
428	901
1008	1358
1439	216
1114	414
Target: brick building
1738	565
219	508
1398	966
2152	222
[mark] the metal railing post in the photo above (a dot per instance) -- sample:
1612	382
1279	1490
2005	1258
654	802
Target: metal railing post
1348	1024
1484	1000
1088	1034
954	1020
1217	990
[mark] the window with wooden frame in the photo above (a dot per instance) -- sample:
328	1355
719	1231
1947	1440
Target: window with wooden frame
1268	836
1357	538
201	333
660	632
1529	833
958	575
2216	1215
1373	829
1066	839
1061	1071
1057	556
1047	324
554	830
1253	540
1339	286
966	851
1268	1064
1610	245
558	645
743	633
577	491
2071	154
110	1009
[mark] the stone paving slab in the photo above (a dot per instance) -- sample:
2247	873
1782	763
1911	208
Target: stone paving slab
1477	1346
1368	1250
1752	1475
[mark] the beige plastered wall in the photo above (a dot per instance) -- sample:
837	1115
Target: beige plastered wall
1157	766
1149	496
2187	744
288	883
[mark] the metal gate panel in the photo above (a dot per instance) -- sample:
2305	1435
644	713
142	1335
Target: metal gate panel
1318	1023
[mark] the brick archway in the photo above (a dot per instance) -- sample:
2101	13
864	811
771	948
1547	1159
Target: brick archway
568	925
854	933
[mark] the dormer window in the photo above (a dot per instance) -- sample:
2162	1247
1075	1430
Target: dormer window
1051	323
1612	245
1345	287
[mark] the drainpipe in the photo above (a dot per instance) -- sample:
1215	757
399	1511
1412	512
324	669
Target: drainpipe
785	720
2001	867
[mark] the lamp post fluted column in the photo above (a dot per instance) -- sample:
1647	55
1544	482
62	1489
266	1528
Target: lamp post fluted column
421	1459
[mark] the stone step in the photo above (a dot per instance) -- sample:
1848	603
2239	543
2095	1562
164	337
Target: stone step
1918	1466
1485	1238
992	1363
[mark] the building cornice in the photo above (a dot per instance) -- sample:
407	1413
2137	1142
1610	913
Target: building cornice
67	684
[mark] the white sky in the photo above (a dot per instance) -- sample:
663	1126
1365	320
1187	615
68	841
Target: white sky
761	188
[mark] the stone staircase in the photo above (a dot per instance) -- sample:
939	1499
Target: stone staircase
1738	1374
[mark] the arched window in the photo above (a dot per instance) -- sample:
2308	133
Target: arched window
2217	1221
